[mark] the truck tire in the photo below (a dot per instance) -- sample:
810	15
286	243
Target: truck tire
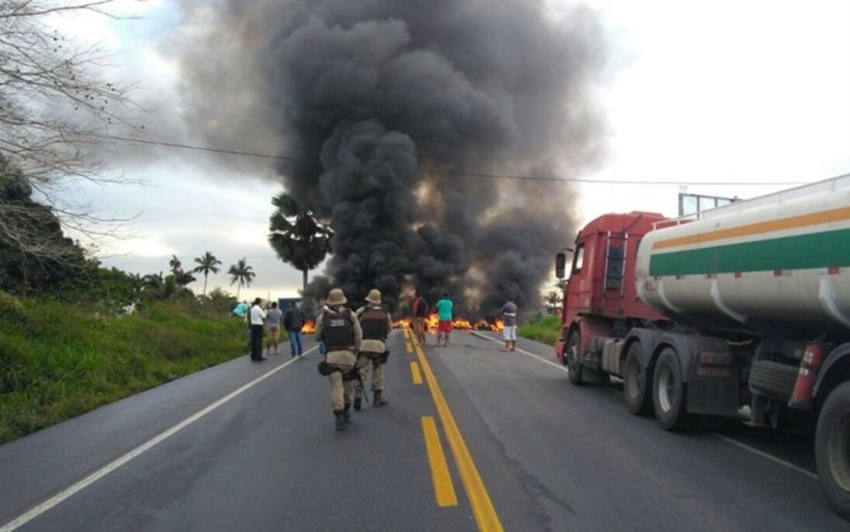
571	358
668	395
832	449
773	379
637	387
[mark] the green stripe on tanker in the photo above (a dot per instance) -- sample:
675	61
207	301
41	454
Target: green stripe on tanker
815	250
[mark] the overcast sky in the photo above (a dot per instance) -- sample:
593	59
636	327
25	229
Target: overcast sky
739	93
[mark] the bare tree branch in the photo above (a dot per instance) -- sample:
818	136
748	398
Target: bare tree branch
54	111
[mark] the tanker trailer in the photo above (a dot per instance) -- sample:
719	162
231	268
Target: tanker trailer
757	300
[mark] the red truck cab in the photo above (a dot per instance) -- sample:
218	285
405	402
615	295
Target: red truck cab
601	286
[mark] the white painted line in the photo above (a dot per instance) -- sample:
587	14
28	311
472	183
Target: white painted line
768	456
518	350
109	468
753	450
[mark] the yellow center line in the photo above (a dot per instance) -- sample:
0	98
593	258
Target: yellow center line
482	506
414	370
443	488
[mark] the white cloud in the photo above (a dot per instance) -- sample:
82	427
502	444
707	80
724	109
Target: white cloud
723	92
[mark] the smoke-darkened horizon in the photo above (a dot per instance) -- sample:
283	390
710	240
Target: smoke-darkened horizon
394	121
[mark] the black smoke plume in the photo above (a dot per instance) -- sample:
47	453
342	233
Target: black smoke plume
414	126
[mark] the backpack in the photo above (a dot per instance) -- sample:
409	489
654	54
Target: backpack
420	307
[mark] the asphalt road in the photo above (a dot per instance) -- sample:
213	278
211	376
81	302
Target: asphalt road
473	439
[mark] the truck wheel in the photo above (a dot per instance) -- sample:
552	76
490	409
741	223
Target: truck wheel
571	357
669	392
832	448
636	382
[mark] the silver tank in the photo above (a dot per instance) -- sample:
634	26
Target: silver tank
777	264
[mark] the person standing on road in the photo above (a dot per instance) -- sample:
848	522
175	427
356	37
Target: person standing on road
444	315
257	317
420	313
273	316
341	332
293	321
376	324
509	324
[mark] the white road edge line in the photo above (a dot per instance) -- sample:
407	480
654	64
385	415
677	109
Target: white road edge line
727	439
768	456
109	468
518	350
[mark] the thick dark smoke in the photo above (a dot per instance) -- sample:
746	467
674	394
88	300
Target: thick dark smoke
398	121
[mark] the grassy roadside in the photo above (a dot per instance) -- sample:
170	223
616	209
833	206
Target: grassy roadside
58	361
544	329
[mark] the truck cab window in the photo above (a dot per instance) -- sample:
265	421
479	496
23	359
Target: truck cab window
578	258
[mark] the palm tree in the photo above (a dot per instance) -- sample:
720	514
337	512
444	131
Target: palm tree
183	279
175	265
206	264
158	287
297	237
241	272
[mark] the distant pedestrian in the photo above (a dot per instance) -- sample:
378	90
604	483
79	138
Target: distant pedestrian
293	322
444	315
273	316
323	307
258	315
420	314
376	324
509	324
240	309
341	332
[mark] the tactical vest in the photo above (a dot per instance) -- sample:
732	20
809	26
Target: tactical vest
373	321
337	330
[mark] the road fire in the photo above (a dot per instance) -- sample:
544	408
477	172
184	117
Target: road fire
431	324
484	325
404	323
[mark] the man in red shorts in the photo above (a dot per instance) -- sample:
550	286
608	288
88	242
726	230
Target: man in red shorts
444	314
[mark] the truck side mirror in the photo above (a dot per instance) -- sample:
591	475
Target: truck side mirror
560	265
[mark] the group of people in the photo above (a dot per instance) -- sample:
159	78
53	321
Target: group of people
260	319
444	319
355	345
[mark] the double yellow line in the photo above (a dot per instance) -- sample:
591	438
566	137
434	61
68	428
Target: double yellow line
482	506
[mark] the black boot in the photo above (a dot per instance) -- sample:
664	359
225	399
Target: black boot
340	419
357	398
346	413
377	400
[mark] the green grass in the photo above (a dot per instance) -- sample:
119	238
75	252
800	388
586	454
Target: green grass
543	328
58	361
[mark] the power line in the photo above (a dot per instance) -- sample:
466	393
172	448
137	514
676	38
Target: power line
461	173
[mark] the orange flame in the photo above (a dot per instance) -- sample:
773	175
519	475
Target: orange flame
461	323
484	325
309	327
403	323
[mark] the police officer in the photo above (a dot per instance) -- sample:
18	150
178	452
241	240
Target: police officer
376	324
341	332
